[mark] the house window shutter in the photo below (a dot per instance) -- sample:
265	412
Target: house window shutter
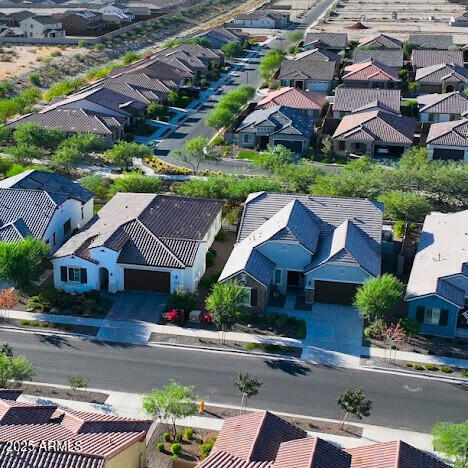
443	317
83	275
253	297
420	314
63	274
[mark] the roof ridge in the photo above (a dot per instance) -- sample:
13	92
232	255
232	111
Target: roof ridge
259	430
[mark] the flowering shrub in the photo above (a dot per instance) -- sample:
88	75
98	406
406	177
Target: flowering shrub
173	316
205	317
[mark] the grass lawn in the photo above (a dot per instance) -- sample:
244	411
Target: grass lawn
250	155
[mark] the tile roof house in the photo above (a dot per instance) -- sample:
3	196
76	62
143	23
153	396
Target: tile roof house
220	36
140	241
336	42
421	58
87	440
268	19
459	20
41	26
277	125
442	107
378	132
392	58
324	246
317	55
43	205
370	74
347	100
448	140
431	41
263	440
441	78
437	289
380	41
307	75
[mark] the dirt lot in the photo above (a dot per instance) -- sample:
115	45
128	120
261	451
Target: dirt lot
27	57
413	17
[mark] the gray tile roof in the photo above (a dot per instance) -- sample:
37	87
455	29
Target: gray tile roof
326	40
389	57
380	41
257	14
454	133
425	58
431	41
442	73
317	55
147	229
441	253
447	103
349	99
50	182
306	70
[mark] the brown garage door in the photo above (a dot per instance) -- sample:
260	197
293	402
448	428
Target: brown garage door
144	280
333	292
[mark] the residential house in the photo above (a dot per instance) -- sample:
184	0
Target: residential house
378	132
307	75
83	23
380	41
442	107
448	140
335	42
146	10
421	58
347	100
140	241
276	125
43	205
431	41
441	78
321	247
264	440
86	439
437	290
14	19
317	55
43	26
392	58
310	101
371	74
267	19
220	36
116	13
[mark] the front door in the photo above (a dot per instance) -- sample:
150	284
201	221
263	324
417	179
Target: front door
294	279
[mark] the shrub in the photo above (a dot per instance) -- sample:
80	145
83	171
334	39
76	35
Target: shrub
375	328
166	437
410	326
418	367
250	346
176	449
206	447
188	433
173	316
431	367
35	79
408	364
464	372
205	317
446	369
178	437
160	447
182	300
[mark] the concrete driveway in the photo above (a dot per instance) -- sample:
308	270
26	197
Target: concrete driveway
136	306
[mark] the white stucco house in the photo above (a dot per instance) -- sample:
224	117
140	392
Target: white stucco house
43	205
41	26
140	241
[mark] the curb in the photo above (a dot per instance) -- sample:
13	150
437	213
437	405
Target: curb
41	331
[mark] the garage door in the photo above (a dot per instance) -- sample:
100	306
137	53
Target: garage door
143	280
335	293
446	154
294	146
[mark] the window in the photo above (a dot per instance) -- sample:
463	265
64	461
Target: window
67	228
248	297
278	276
249	138
432	315
342	145
74	275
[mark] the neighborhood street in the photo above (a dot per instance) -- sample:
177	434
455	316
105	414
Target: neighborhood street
399	401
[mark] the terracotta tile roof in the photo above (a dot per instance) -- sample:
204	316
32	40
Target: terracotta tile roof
447	103
311	453
221	459
256	436
380	41
370	71
293	98
425	58
454	133
395	454
349	99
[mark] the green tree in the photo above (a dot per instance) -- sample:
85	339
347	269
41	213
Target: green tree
407	206
5	134
96	184
248	388
353	402
171	402
232	49
136	183
196	151
156	111
378	295
294	36
29	133
219	117
274	158
271	62
6	349
85	143
223	302
24	154
66	157
17	369
452	440
298	177
408	48
327	146
122	153
21	262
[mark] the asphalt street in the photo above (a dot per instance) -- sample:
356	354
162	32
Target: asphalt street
398	401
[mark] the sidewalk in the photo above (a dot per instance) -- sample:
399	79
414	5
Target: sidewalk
130	405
